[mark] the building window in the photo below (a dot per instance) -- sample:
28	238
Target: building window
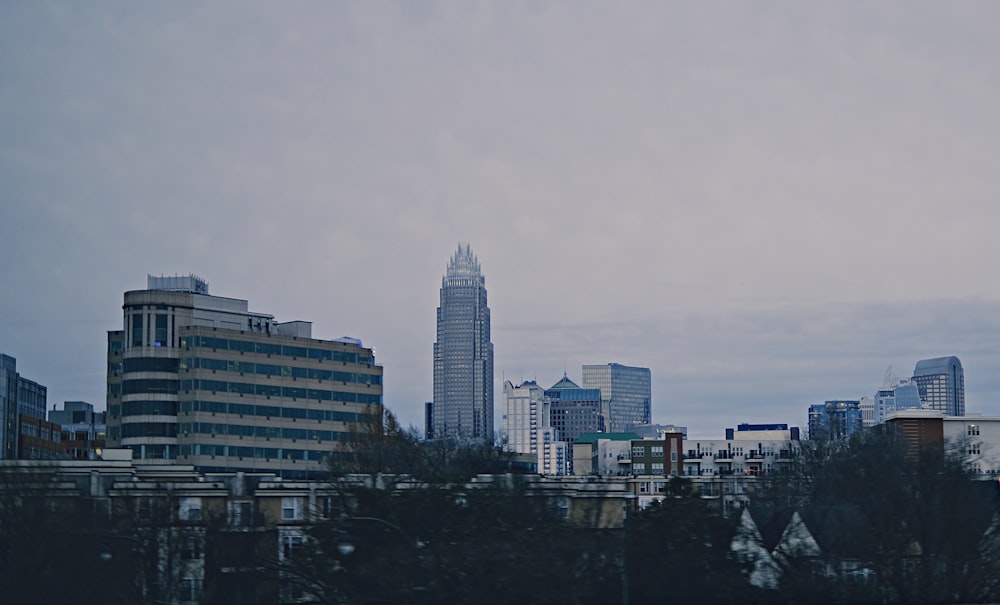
657	451
973	429
137	330
290	543
639	468
145	508
561	507
326	507
189	509
657	468
638	451
240	513
160	334
291	508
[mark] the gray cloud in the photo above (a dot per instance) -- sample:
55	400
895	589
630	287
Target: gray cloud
766	204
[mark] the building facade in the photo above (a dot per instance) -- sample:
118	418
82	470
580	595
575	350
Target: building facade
523	408
463	354
574	410
941	384
200	380
722	471
83	430
18	397
973	438
838	419
528	429
903	396
626	394
750	451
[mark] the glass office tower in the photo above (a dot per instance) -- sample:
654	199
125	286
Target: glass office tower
463	353
941	382
626	394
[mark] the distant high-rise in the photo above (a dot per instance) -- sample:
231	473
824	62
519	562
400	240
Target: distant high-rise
626	394
18	397
574	410
941	383
522	415
463	353
835	419
527	417
889	400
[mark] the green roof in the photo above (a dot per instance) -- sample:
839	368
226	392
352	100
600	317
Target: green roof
593	437
564	383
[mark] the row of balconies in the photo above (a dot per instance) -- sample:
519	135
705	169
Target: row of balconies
751	472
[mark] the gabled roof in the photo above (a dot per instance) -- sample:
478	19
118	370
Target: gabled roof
834	530
564	383
796	541
748	547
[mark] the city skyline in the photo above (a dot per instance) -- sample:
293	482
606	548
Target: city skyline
746	200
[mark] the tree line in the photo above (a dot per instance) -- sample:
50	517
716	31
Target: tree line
877	522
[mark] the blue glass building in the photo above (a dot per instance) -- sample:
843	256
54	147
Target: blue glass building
941	383
626	394
903	396
837	419
574	410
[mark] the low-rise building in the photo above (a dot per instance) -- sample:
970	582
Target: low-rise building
83	429
973	437
187	536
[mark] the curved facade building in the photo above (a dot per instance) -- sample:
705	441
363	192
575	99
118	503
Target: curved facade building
200	380
941	384
463	354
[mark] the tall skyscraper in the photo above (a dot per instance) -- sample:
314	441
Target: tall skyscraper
201	380
463	353
941	383
626	394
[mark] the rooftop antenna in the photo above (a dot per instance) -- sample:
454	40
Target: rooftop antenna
889	379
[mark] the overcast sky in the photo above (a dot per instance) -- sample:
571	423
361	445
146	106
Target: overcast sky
766	203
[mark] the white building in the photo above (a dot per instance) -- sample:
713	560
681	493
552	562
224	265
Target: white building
867	407
974	437
978	438
611	456
528	427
